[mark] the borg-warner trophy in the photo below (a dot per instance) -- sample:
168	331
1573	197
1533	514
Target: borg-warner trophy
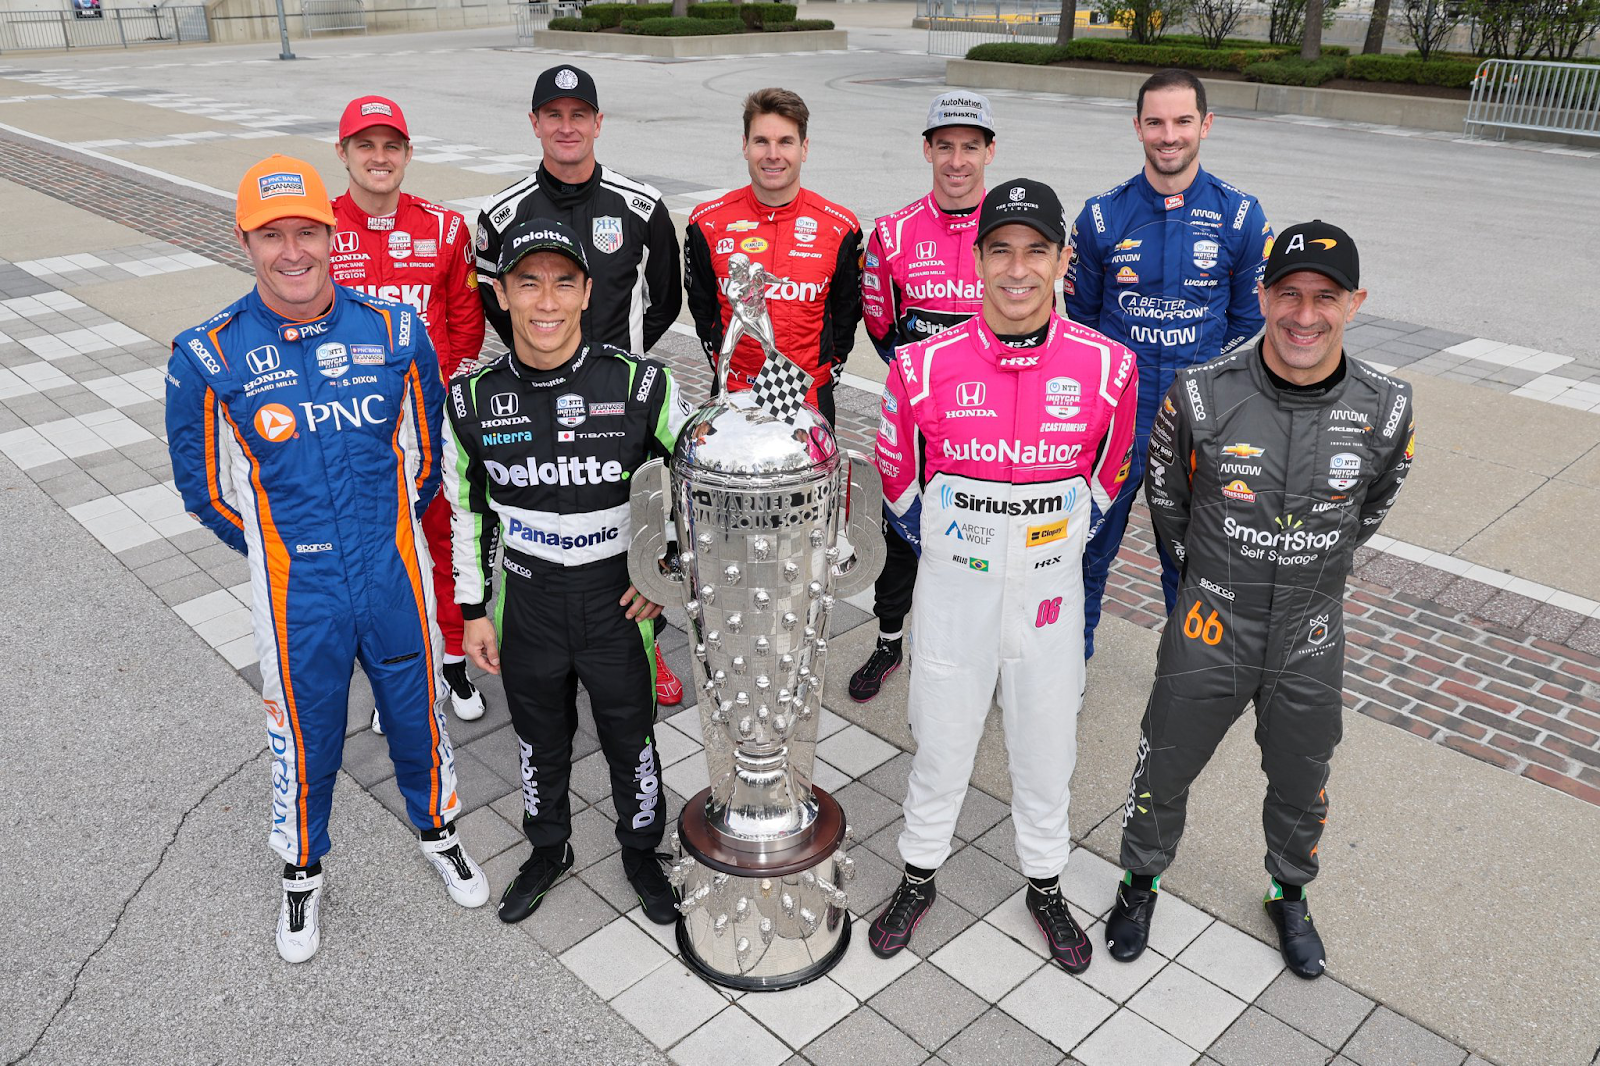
759	497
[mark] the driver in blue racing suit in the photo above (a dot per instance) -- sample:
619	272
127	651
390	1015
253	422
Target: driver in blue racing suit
1166	263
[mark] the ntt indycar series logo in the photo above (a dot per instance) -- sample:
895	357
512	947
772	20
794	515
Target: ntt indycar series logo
1041	453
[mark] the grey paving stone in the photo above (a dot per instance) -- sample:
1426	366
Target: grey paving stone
996	1037
1387	1039
1256	1038
885	842
928	1005
569	913
493	742
944	921
387	792
476	784
73	488
81	403
977	880
230	572
366	758
611	884
164	570
890	778
866	809
1394	324
195	539
1404	348
591	777
1001	842
187	588
864	1036
874	880
51	471
143	554
10	421
1324	1010
252	676
594	837
1438	338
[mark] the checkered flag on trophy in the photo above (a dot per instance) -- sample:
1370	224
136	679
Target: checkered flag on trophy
780	387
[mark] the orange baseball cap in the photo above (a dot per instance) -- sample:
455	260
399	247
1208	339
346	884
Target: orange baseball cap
281	187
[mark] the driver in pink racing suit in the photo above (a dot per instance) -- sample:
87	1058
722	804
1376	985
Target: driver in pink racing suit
1014	431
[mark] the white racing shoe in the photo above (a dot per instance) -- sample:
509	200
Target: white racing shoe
463	878
377	726
468	707
299	931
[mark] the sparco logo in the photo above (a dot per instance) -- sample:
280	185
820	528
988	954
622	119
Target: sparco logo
1193	388
649	790
1287	540
1217	590
1395	412
1011	451
984	505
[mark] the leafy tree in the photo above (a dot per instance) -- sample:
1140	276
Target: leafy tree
1377	26
1217	19
1429	23
1145	20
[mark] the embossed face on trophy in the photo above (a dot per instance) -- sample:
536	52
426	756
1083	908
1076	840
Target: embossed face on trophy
758	498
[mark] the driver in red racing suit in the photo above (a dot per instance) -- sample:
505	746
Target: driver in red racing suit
396	246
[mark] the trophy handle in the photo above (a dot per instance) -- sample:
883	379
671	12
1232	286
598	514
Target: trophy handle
648	514
865	530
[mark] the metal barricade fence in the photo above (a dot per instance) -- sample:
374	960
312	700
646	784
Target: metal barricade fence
117	27
1013	9
328	16
953	37
1525	94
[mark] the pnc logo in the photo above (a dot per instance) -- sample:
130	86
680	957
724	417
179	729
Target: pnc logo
275	422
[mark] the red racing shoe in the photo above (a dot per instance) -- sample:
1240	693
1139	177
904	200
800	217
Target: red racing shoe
669	690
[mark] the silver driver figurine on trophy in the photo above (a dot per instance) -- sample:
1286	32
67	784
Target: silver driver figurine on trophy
759	493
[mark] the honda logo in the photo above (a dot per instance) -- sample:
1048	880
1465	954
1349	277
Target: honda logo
970	394
346	241
262	360
927	250
503	404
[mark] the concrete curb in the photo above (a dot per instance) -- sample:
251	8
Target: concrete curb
727	44
1416	112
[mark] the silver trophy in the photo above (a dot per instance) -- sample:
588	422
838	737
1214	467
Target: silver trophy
759	504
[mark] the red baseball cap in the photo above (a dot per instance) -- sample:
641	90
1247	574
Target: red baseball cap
366	111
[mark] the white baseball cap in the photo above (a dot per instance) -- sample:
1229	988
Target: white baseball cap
960	108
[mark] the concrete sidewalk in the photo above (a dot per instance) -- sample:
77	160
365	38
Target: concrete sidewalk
1445	850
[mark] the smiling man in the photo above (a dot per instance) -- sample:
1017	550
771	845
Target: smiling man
1166	263
1013	430
812	244
397	246
1268	469
541	445
303	422
920	278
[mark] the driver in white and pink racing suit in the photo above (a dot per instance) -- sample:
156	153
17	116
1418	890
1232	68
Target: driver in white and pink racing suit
1014	431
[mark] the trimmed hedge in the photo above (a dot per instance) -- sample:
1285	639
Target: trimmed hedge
800	24
1193	40
1155	55
684	27
1451	73
579	25
714	9
613	14
1293	70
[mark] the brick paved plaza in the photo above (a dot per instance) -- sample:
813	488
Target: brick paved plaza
1457	893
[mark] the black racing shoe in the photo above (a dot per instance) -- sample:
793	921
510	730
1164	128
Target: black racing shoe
884	660
892	931
643	867
1069	946
1128	924
1297	937
527	890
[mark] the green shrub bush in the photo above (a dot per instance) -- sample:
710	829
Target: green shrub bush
684	27
613	14
714	9
1154	55
580	25
1292	70
800	24
757	15
1451	73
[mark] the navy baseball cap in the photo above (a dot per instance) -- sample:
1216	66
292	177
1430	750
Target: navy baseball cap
540	235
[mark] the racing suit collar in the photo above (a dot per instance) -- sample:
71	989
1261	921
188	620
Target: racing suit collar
285	326
523	372
774	214
952	223
564	193
1290	399
1003	356
1158	200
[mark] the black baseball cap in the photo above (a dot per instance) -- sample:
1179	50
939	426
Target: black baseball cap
1024	201
561	81
1317	246
540	235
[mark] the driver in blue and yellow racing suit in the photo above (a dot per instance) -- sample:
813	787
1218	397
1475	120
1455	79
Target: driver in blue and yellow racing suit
1167	264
